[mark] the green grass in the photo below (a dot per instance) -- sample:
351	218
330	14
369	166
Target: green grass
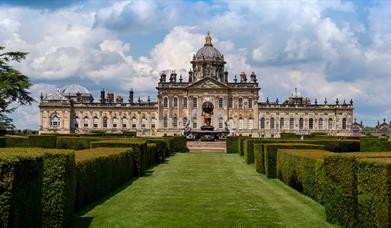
205	190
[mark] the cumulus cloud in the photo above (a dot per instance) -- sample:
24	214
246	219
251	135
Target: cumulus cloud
295	44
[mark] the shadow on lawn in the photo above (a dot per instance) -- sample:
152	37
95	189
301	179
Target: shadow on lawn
82	222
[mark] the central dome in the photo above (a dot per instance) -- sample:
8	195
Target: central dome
73	89
208	51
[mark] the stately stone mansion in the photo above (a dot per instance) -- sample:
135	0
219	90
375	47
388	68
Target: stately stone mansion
237	106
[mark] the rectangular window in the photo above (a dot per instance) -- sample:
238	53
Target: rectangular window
175	102
240	124
95	123
250	124
165	123
124	122
104	122
221	102
174	123
250	103
153	123
165	102
221	123
134	124
185	102
230	102
291	123
143	123
240	103
194	102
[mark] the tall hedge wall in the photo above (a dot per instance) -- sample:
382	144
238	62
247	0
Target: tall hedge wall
21	186
374	192
232	144
2	142
302	169
58	184
76	143
100	171
43	141
368	144
139	150
180	144
16	141
340	190
270	155
259	158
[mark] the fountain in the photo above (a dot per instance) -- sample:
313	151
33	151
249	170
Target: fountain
207	132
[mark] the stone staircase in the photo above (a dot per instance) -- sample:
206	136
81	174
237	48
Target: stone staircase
204	146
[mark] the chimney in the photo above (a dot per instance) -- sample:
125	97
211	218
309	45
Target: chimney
102	96
119	100
131	93
110	97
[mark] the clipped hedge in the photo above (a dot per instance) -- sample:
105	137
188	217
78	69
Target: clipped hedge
161	148
58	184
270	155
232	144
179	144
340	190
374	192
368	144
2	142
248	150
139	150
100	171
16	141
259	158
43	141
75	143
303	170
21	186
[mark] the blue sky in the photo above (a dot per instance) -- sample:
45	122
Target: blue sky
327	49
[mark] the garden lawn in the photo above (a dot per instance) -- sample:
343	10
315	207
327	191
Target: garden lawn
205	190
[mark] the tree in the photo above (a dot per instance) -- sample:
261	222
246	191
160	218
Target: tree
13	87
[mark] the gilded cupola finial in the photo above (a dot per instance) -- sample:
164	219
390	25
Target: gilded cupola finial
208	40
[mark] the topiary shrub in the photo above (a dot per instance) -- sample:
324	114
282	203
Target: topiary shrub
16	141
43	141
270	155
302	169
100	171
21	186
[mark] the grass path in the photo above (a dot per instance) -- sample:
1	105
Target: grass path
205	190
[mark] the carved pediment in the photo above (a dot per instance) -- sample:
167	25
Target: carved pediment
207	83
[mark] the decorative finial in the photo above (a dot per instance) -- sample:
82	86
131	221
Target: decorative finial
316	101
208	40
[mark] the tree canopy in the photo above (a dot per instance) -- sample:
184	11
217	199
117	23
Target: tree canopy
13	87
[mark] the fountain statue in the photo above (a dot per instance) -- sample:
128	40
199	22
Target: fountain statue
207	112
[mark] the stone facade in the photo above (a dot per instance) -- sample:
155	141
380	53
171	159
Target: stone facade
236	106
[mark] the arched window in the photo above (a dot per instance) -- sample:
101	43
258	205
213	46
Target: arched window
344	123
143	122
194	122
165	102
311	123
291	123
282	123
174	122
221	122
124	122
194	101
95	122
272	123
221	102
330	124
104	122
76	122
115	122
85	122
230	102
320	124
55	121
240	102
175	102
165	122
262	123
301	123
240	123
134	122
185	102
153	123
250	103
250	123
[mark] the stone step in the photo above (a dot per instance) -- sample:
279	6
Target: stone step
199	146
